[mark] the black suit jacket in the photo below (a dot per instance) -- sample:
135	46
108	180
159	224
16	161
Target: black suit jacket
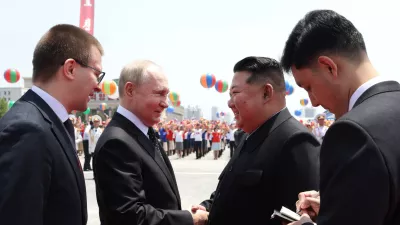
133	184
41	181
268	170
360	162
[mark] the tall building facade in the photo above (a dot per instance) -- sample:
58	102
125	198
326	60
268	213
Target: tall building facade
193	112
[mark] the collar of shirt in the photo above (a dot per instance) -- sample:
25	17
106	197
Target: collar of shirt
264	122
134	119
54	104
364	87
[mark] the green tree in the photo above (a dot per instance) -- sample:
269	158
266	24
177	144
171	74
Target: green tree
3	107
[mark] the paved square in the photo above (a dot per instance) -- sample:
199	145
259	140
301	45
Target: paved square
197	179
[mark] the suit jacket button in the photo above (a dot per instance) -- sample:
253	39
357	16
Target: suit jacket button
230	169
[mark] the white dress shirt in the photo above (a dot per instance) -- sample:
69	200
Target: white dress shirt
54	104
364	87
134	119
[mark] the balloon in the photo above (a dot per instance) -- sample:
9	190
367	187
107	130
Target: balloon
103	106
289	90
297	113
87	111
108	87
207	80
304	102
222	114
287	84
115	95
12	75
176	104
217	114
221	86
170	109
173	96
10	104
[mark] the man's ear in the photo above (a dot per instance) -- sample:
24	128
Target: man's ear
327	64
129	89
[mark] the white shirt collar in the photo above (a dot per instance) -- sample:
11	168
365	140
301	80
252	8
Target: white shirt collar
134	119
54	104
364	87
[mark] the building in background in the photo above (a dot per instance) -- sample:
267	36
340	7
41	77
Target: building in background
177	114
228	117
214	111
12	93
193	112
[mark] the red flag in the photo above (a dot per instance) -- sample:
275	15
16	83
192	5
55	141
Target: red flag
87	16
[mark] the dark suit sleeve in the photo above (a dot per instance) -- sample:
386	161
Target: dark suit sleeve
25	168
299	168
208	203
354	178
119	184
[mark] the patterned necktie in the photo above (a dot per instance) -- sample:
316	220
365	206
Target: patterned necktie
154	141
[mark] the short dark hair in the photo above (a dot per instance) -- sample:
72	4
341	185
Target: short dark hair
322	32
60	43
262	69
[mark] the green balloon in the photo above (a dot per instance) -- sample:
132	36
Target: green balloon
10	104
87	111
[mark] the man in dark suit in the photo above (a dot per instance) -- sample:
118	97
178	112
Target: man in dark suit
360	157
41	180
274	162
135	182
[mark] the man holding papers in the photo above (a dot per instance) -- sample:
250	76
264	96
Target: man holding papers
360	157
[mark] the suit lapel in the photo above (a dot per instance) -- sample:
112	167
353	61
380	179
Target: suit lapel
61	134
386	86
259	136
145	142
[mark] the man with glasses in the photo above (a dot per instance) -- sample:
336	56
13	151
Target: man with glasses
40	174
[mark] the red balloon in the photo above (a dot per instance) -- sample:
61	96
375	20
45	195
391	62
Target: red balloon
12	75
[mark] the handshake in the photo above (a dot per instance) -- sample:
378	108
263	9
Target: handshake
199	214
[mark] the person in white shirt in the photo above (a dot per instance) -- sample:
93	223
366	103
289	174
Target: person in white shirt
320	130
94	133
197	141
179	141
231	137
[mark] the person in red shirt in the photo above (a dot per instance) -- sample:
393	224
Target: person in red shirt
170	139
216	142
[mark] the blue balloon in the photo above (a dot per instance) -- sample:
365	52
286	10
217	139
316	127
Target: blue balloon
287	85
170	109
217	114
297	112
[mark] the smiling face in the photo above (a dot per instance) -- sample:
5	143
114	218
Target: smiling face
150	98
246	101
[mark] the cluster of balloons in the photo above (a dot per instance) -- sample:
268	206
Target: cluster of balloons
174	98
208	80
12	76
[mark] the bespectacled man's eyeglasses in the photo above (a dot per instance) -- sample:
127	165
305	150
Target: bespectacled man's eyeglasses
101	73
